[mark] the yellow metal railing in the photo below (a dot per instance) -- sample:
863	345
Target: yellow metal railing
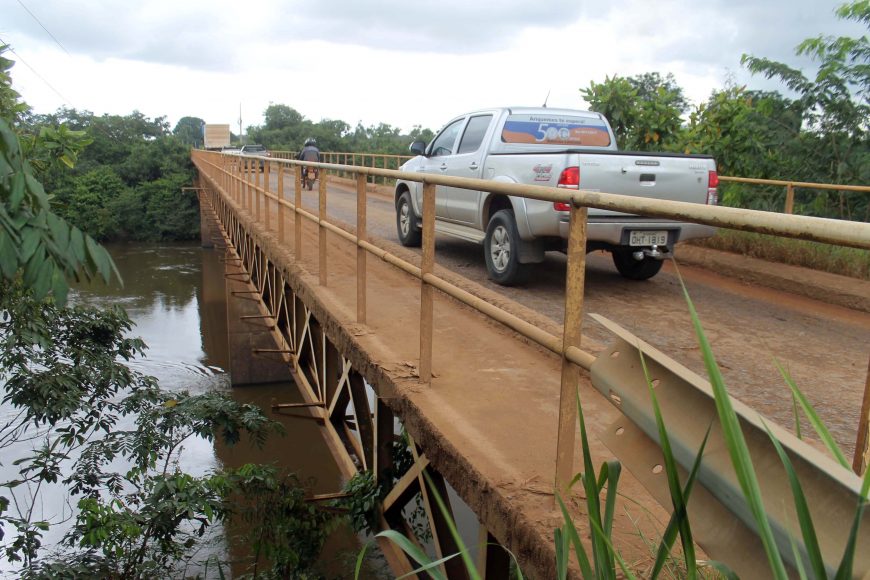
383	161
791	185
232	173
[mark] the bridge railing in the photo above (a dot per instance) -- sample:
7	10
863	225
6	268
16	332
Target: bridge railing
383	161
239	179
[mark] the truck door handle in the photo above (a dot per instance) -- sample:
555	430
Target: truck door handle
443	167
473	166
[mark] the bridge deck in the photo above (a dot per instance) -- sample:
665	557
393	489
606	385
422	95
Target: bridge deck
488	421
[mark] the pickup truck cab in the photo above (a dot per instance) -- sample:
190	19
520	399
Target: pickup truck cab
559	147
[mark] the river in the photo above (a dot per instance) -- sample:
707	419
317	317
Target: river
175	295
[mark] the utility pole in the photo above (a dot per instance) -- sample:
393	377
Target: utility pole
241	137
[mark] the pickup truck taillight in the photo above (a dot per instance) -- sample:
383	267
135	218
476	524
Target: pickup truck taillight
569	179
712	188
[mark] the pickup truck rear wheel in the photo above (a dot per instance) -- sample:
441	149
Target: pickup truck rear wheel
635	269
501	248
406	222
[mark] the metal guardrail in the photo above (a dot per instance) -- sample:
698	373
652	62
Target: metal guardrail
231	173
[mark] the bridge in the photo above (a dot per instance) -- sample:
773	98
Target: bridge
486	388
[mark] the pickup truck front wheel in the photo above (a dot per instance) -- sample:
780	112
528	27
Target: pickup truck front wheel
406	222
501	248
633	269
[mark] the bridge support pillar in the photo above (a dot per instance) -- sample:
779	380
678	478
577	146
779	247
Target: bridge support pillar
207	229
252	349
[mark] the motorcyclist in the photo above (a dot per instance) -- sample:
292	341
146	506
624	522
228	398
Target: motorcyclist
309	152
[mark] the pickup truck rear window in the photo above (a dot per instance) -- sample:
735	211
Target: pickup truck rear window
555	130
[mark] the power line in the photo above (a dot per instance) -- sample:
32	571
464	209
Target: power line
44	28
33	70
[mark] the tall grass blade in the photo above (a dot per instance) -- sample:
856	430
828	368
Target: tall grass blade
802	572
814	418
626	571
359	560
466	556
797	417
434	564
674	524
736	443
571	533
562	553
724	570
610	470
416	554
674	484
844	572
808	530
602	556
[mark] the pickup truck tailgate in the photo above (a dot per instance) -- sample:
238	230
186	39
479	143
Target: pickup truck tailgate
677	178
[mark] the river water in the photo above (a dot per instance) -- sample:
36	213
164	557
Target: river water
175	294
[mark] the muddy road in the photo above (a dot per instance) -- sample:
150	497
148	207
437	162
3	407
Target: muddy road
825	348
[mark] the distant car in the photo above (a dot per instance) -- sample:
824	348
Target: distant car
257	150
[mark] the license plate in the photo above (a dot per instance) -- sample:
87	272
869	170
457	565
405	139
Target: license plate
648	238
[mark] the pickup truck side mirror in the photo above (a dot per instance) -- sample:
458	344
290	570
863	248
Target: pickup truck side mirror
418	148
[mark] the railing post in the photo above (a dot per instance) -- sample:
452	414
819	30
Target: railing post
297	248
267	174
571	335
281	203
862	442
243	185
257	194
321	233
426	266
360	251
789	198
249	185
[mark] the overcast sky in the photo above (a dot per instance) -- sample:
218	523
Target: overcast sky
394	61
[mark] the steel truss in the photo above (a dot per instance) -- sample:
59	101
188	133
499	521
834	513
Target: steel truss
358	425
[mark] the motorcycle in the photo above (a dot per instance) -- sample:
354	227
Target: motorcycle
309	176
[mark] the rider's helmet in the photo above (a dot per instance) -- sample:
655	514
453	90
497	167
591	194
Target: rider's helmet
310	142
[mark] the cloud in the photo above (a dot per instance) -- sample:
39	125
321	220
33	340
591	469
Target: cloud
382	60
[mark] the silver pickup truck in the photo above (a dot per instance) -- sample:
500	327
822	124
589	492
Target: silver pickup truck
562	148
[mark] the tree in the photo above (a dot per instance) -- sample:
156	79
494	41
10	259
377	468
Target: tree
644	111
835	107
278	117
188	130
64	375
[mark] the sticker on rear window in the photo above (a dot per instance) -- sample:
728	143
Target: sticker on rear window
555	130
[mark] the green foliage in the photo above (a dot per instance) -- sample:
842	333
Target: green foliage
126	184
87	205
285	128
835	108
11	107
363	502
286	531
188	131
86	413
34	242
644	111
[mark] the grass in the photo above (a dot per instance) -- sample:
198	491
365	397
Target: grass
850	262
